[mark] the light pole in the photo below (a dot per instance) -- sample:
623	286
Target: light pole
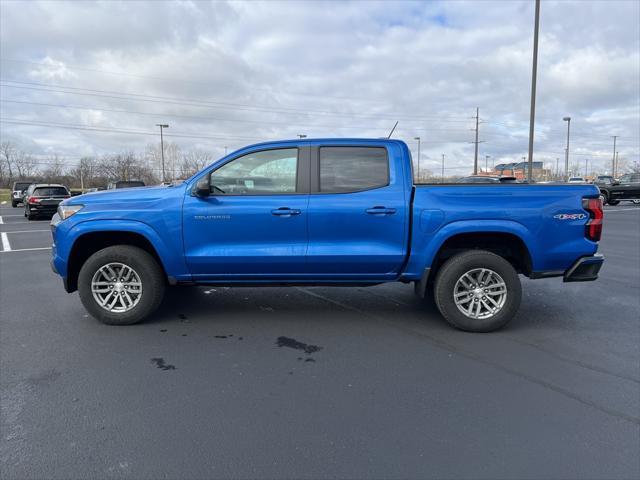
557	171
443	168
566	152
613	159
486	163
586	168
534	71
418	139
162	125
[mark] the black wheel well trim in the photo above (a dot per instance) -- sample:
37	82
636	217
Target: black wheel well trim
91	242
507	245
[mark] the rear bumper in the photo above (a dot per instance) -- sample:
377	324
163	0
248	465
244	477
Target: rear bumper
585	269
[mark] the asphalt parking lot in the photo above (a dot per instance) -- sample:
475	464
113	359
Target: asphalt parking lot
320	382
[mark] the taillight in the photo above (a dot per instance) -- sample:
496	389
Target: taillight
33	200
593	228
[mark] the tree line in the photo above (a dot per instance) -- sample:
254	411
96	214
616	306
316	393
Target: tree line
97	171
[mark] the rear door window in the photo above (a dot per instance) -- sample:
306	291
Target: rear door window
353	169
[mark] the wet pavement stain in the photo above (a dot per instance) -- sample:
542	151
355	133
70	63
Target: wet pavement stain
161	364
221	336
163	330
184	335
293	343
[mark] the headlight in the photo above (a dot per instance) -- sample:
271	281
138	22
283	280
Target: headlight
65	211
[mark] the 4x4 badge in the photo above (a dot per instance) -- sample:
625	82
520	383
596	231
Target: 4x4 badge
570	216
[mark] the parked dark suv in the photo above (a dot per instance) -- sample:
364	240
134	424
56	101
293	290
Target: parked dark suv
43	199
626	188
17	192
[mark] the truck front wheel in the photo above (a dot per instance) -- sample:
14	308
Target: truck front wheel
477	291
121	285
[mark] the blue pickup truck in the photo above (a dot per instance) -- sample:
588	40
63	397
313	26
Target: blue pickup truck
326	212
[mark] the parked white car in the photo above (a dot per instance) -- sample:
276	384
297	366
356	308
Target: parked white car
577	180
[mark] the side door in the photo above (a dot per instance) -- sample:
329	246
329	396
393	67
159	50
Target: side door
630	186
358	213
253	225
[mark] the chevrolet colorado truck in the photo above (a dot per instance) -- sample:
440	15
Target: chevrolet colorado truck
342	212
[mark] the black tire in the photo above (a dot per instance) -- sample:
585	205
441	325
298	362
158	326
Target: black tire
28	214
454	269
151	277
604	197
613	202
14	204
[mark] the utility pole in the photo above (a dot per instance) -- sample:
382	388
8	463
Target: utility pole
162	125
613	160
486	163
557	171
443	168
534	72
617	164
81	177
566	152
418	139
475	156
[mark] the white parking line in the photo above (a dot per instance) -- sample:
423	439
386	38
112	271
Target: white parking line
28	231
622	210
24	249
6	246
13	215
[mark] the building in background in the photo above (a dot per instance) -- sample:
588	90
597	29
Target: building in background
519	170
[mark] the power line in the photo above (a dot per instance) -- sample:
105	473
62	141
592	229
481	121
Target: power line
114	130
208	118
203	103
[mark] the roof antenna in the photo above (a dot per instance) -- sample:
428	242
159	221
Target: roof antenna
392	130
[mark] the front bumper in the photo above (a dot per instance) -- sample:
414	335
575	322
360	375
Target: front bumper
584	269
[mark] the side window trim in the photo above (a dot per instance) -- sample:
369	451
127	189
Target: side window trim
315	169
302	171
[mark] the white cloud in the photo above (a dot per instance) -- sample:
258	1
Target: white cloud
274	70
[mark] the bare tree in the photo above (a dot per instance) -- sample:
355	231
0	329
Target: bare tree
7	152
193	161
54	171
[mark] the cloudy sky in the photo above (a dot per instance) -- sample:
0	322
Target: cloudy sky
84	78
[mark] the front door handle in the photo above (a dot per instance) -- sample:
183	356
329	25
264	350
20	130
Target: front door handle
380	211
285	212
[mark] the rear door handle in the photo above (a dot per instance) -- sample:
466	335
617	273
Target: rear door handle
380	211
285	212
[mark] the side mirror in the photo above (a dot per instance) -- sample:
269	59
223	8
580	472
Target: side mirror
202	188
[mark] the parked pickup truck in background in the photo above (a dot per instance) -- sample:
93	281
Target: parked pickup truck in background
612	191
326	212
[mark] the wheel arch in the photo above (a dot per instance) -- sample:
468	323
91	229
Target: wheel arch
91	242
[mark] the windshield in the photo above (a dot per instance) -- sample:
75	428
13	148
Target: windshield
129	184
21	185
50	191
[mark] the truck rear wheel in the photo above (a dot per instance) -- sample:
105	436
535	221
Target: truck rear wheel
477	291
121	285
